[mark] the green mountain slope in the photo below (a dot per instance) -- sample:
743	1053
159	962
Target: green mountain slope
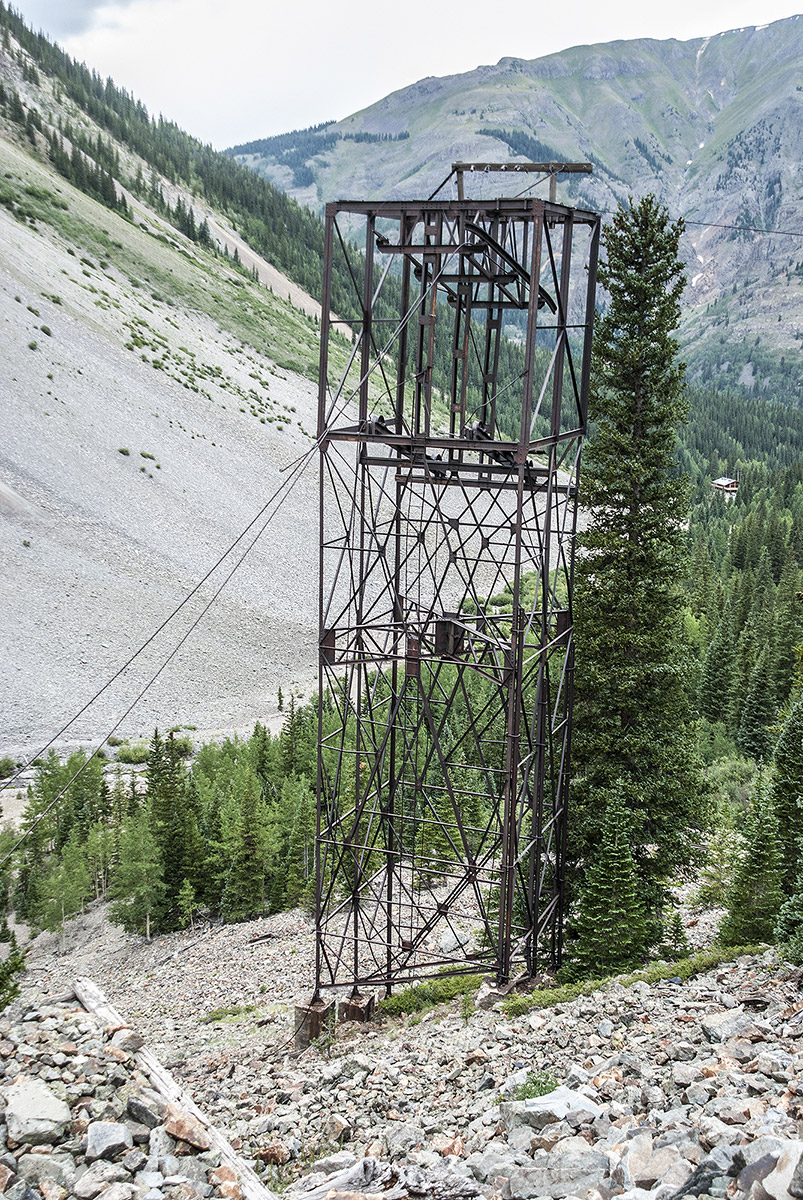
713	126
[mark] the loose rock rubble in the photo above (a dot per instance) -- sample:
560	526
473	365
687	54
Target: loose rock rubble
663	1091
80	1119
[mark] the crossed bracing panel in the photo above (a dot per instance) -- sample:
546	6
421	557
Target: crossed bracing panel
449	464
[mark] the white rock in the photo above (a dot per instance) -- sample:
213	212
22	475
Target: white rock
777	1182
34	1114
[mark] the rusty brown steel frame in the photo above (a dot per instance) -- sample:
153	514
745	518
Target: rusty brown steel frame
449	459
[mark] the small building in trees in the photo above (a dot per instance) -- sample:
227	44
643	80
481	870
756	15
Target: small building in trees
727	486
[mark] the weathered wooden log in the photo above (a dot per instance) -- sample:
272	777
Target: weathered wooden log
163	1082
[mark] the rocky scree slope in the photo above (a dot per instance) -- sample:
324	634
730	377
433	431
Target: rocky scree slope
80	1119
146	420
664	1090
712	126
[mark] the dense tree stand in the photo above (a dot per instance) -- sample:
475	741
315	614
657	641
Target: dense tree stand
632	718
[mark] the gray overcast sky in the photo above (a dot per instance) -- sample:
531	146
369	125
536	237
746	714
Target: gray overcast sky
232	71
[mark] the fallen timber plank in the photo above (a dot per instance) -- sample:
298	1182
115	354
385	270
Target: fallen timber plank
94	1001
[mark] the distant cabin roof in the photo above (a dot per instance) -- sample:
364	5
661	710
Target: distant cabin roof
724	481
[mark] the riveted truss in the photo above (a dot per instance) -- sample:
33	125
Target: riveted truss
450	450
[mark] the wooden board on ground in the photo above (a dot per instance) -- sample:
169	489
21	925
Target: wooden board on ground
163	1082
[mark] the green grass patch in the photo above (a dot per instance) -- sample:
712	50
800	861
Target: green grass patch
685	968
537	1083
422	996
228	1012
137	753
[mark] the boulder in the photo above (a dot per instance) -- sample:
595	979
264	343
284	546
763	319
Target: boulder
147	1107
726	1024
570	1174
787	1171
539	1111
60	1168
401	1137
185	1128
107	1139
34	1115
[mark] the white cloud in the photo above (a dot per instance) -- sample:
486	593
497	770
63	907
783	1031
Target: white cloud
61	19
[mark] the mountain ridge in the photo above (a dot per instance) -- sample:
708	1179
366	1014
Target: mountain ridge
711	125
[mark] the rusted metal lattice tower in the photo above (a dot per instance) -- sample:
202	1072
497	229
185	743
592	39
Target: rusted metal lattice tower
450	448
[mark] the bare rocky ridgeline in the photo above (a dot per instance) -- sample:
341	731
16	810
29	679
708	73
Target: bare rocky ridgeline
664	1090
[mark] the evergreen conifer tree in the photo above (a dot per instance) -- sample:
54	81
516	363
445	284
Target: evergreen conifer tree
10	970
788	794
632	714
717	676
676	942
611	926
754	737
756	894
244	891
187	904
789	926
138	888
300	861
168	813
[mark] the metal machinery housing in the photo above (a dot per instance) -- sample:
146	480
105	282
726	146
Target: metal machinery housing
452	406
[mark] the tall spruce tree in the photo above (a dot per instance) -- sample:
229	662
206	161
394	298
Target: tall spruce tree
138	888
754	737
610	917
756	894
632	715
168	812
788	795
789	926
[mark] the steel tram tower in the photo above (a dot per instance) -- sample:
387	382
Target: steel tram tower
452	407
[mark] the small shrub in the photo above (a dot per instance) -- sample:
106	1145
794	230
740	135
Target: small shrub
145	454
114	740
33	345
696	964
537	1083
137	753
123	450
426	995
231	1010
33	310
46	330
6	767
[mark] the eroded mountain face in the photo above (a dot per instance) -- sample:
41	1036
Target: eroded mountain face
712	126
